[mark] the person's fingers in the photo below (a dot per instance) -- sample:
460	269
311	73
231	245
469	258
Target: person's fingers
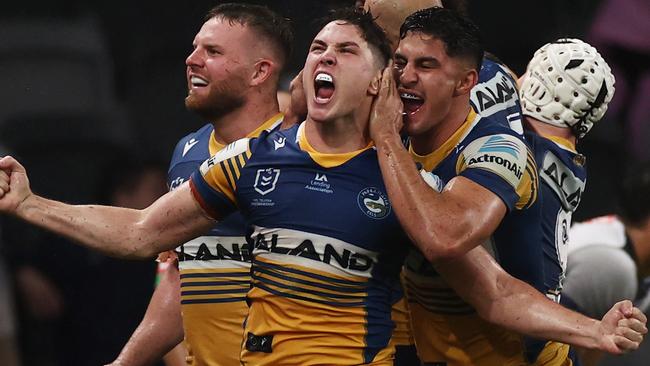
634	324
625	307
9	164
624	344
4	180
636	313
629	334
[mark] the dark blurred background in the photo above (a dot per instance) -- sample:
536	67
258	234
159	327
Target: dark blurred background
91	101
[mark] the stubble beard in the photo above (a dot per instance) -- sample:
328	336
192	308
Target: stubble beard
216	105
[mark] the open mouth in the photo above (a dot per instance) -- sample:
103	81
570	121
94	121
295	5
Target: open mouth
324	87
412	102
198	82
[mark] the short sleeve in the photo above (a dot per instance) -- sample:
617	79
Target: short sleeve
504	165
215	182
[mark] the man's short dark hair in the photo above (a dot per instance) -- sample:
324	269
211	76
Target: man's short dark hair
462	38
370	31
634	196
264	21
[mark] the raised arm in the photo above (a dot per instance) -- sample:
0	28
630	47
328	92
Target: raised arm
504	300
442	225
174	218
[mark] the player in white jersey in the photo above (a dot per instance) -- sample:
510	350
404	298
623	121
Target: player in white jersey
358	283
214	268
609	256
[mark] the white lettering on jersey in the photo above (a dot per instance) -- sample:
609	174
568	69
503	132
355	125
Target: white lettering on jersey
494	95
502	154
562	181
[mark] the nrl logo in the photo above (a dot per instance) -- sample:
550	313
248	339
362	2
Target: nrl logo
265	180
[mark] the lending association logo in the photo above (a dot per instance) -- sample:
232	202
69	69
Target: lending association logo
374	203
265	180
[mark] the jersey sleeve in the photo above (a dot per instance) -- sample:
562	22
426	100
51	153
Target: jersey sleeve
503	164
214	184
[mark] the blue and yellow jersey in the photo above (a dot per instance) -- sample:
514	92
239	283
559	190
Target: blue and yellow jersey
327	248
446	329
563	175
215	267
562	181
496	95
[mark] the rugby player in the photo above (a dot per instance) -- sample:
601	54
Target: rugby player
232	82
326	240
619	247
486	170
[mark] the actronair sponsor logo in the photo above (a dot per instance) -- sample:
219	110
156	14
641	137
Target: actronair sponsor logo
313	251
487	158
502	154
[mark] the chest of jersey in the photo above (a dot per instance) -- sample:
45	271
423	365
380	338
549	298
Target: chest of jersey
287	189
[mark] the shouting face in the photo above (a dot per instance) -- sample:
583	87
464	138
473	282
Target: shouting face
338	72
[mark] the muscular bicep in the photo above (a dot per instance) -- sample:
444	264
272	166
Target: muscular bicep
175	218
476	211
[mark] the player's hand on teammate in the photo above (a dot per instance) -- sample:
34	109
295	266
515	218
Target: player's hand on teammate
14	185
298	107
386	112
623	328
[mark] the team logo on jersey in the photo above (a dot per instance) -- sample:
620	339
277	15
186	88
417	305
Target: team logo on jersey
189	145
374	203
279	143
265	180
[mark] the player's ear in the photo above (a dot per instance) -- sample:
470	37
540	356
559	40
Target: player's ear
262	71
375	84
468	78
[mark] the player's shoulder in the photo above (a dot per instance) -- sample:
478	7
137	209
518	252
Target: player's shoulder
189	144
490	126
274	139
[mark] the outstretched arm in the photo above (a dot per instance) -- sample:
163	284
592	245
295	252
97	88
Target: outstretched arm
504	300
174	218
162	326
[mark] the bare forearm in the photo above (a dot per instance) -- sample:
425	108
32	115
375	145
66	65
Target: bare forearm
525	310
173	218
161	328
111	230
506	301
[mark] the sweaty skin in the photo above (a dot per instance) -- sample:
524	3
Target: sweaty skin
390	14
